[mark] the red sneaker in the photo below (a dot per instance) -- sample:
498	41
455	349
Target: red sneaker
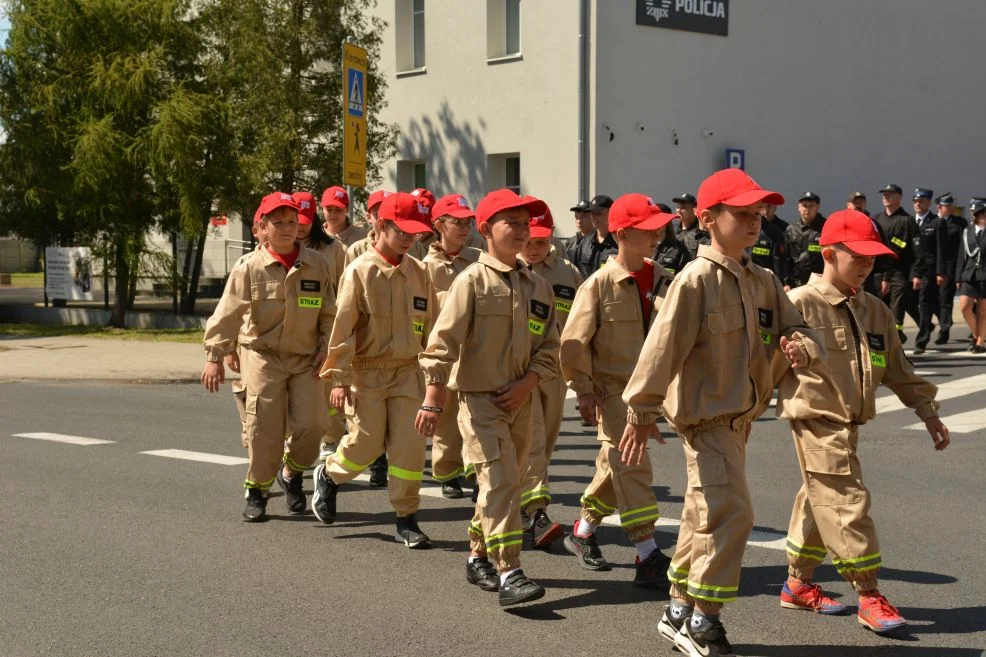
810	598
877	614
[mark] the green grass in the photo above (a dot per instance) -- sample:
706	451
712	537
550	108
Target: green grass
36	279
188	336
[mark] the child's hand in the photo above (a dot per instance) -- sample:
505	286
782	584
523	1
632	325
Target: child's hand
213	376
426	422
233	361
793	352
633	444
938	432
587	408
338	397
513	395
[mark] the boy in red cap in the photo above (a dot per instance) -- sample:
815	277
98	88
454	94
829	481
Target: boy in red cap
546	259
335	213
419	248
447	258
386	308
600	345
826	404
706	366
494	341
287	290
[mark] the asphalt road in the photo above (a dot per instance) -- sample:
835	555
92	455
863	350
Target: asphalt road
107	551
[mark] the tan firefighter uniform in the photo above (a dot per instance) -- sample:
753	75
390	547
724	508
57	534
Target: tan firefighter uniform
826	404
350	235
706	365
238	386
549	398
599	350
497	323
418	250
385	313
290	319
334	253
446	445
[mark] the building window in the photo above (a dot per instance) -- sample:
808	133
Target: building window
411	175
502	29
409	27
420	177
504	171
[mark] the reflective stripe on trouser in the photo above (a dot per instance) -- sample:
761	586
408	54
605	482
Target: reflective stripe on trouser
496	442
548	407
386	403
716	518
617	486
446	446
282	399
831	510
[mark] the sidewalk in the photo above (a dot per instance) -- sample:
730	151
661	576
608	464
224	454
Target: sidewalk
70	358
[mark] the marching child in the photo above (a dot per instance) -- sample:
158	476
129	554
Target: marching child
385	311
706	366
288	292
335	213
826	404
545	259
447	258
600	346
494	340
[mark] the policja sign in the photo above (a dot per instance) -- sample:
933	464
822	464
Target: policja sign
354	61
705	16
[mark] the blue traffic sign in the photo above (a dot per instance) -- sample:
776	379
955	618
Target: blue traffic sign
356	94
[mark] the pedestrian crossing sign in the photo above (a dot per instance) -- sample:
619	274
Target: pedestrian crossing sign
354	64
356	96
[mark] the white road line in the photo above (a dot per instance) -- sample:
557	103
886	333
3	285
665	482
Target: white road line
947	390
62	438
203	457
960	423
769	540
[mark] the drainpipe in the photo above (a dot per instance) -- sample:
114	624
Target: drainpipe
583	99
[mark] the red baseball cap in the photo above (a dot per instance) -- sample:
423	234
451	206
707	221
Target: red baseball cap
452	205
276	200
426	196
505	199
408	212
637	211
733	187
256	217
543	225
376	198
306	207
855	231
336	197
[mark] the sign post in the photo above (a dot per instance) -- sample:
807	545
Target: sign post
354	62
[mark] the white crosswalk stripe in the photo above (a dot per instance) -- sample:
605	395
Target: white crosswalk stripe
62	438
758	538
202	457
959	423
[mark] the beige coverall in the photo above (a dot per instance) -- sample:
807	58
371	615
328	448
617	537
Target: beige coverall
290	318
600	347
497	323
384	315
707	362
334	253
826	404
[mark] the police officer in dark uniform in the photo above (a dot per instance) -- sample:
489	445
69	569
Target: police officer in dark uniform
770	251
970	274
687	227
929	305
671	253
583	227
951	228
598	246
802	241
900	277
857	202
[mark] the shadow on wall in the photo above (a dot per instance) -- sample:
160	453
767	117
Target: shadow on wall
453	153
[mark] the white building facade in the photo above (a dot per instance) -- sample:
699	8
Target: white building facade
565	99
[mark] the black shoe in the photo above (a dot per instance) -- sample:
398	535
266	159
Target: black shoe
378	472
917	351
544	532
475	490
708	641
518	589
942	338
256	505
668	627
410	534
978	349
452	489
324	498
652	572
587	550
903	338
294	494
482	573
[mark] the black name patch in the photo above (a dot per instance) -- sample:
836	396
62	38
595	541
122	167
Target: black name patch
876	341
420	303
538	309
766	317
564	292
311	286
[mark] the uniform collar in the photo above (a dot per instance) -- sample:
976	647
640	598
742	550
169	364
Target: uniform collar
735	268
494	264
305	255
828	291
548	262
386	268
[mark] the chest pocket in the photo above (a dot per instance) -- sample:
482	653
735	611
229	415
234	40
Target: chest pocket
495	314
621	320
267	291
835	338
728	334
